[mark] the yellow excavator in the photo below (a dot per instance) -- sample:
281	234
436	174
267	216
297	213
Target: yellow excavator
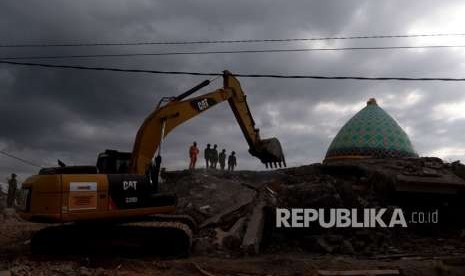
123	186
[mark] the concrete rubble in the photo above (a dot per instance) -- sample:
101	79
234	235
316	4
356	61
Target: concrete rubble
2	199
240	216
235	213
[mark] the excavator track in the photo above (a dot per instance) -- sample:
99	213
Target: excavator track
131	239
184	219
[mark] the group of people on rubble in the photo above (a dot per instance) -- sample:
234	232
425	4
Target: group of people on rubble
212	157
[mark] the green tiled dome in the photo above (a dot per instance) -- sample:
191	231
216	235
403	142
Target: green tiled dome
371	133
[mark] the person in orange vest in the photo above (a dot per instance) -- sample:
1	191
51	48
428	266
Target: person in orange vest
193	152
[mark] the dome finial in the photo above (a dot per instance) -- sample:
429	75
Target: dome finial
372	101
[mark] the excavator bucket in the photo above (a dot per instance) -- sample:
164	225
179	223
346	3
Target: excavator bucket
270	153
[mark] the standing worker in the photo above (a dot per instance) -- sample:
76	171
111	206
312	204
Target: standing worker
222	159
12	186
214	157
193	152
207	156
232	161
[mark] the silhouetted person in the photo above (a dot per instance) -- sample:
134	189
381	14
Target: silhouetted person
207	156
193	152
12	186
222	159
214	157
232	162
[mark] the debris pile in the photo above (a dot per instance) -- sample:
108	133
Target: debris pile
417	175
236	214
228	207
3	197
236	210
9	214
458	168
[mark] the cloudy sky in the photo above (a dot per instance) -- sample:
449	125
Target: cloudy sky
46	114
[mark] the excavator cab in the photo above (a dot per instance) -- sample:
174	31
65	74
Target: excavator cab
113	161
118	162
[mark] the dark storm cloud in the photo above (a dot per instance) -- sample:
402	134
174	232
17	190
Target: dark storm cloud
47	114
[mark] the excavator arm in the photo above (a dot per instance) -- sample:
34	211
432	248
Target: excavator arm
177	111
269	151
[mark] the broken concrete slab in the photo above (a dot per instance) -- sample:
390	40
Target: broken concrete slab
233	239
233	211
254	232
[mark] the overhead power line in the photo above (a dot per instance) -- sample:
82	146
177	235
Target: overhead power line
234	52
237	75
141	43
19	159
